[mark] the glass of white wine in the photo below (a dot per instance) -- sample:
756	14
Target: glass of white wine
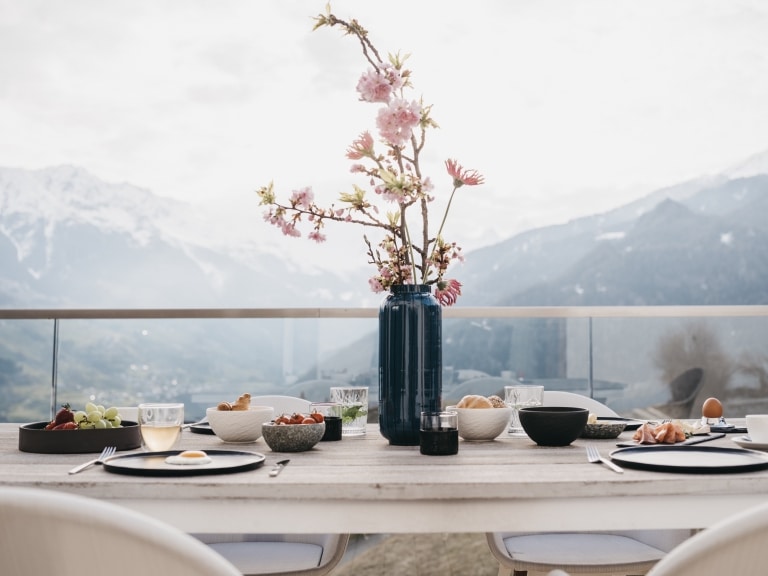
160	425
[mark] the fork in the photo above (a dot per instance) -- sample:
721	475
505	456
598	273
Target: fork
594	457
106	453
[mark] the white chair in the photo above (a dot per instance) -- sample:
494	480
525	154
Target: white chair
280	554
734	545
48	532
618	552
556	398
282	404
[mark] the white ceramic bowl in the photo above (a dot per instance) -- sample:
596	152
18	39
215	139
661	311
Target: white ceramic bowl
239	425
481	424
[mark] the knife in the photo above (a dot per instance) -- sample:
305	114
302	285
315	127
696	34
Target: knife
691	440
278	467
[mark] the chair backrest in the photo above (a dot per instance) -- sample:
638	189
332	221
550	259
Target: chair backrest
556	398
735	545
49	532
282	404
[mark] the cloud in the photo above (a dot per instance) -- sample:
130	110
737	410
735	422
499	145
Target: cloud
566	107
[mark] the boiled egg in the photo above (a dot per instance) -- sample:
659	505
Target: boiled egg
189	458
712	408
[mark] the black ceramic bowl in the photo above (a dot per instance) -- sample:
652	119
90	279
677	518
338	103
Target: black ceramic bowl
553	425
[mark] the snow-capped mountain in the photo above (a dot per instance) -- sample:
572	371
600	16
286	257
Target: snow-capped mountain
68	238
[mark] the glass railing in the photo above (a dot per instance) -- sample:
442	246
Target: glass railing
641	361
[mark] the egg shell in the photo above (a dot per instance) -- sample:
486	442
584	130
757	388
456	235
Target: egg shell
712	408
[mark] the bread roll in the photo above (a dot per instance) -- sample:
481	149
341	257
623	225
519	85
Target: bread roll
474	401
497	401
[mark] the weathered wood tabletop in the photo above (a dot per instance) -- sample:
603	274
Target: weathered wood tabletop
363	485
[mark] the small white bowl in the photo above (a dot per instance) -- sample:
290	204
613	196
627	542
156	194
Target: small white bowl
239	425
482	424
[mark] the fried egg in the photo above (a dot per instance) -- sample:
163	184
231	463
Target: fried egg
189	458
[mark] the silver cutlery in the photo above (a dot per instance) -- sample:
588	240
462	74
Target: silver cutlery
105	454
278	467
594	457
200	423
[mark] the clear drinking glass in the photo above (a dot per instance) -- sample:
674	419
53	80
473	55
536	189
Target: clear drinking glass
331	412
160	425
521	396
354	408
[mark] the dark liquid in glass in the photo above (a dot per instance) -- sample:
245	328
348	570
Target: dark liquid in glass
439	442
332	428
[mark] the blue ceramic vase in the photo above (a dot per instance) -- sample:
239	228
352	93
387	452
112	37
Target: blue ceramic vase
410	361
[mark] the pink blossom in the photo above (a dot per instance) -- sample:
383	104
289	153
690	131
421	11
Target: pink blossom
289	229
361	147
303	197
317	236
396	121
377	85
448	291
375	285
461	176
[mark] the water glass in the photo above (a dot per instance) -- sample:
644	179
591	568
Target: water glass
160	425
439	433
331	412
354	408
521	396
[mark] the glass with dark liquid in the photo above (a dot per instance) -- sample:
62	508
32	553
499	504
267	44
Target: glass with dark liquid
439	433
331	412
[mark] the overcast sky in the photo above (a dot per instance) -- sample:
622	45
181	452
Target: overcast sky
568	107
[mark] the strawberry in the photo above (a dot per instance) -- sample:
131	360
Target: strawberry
66	426
64	415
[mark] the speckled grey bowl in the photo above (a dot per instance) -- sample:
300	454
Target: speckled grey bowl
604	429
292	437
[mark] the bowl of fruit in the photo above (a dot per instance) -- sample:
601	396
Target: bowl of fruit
294	432
80	431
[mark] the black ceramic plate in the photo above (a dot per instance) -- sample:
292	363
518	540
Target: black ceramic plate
631	423
35	438
691	459
154	464
203	428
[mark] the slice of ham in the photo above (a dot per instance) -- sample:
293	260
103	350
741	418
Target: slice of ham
666	433
645	434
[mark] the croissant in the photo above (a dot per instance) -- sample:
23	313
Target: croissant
243	402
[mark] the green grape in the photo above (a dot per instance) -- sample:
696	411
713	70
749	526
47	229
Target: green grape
110	413
116	421
86	425
107	423
101	409
90	407
80	416
100	424
94	416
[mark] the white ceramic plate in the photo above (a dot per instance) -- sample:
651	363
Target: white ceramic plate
746	442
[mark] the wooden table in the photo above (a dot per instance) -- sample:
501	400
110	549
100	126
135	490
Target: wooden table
363	485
